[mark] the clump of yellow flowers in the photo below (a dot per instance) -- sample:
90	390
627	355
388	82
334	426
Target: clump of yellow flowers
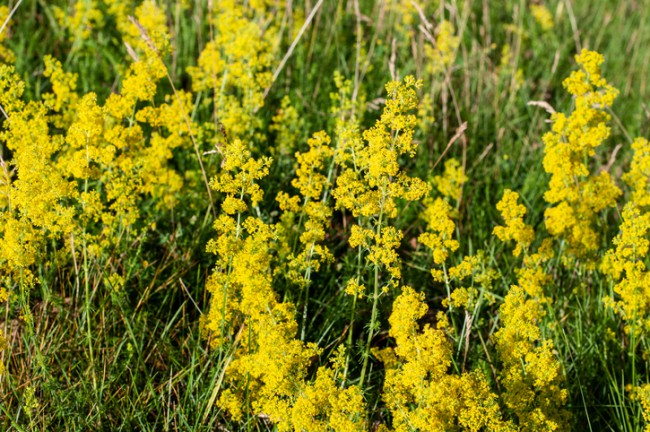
626	262
369	184
531	374
542	16
6	55
235	65
80	171
577	196
419	390
515	229
314	210
267	367
441	52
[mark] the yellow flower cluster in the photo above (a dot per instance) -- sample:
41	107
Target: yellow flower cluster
531	376
639	174
83	17
6	55
313	186
577	196
626	263
267	371
151	18
325	405
238	178
450	185
405	14
542	16
235	65
81	170
63	98
515	229
371	181
287	124
438	216
441	55
419	391
440	230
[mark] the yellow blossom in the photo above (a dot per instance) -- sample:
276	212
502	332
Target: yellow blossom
542	16
515	229
450	184
578	197
442	54
440	229
419	390
531	374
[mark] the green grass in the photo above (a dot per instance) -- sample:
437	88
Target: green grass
132	358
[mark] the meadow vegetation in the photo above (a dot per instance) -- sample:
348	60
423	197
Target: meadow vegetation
329	215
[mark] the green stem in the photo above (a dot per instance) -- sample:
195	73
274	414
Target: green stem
229	271
375	304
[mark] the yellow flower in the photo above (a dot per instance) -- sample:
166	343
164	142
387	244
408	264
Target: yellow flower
450	185
515	229
442	54
353	288
288	125
577	196
419	391
531	374
639	174
63	97
440	229
371	180
80	22
6	55
309	181
625	264
235	65
384	252
542	16
11	90
313	185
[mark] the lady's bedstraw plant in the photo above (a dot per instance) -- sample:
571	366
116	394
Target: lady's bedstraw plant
313	183
467	279
542	16
626	263
530	373
81	170
266	366
6	55
288	125
438	216
369	184
81	20
420	391
238	181
244	318
307	216
576	196
234	66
